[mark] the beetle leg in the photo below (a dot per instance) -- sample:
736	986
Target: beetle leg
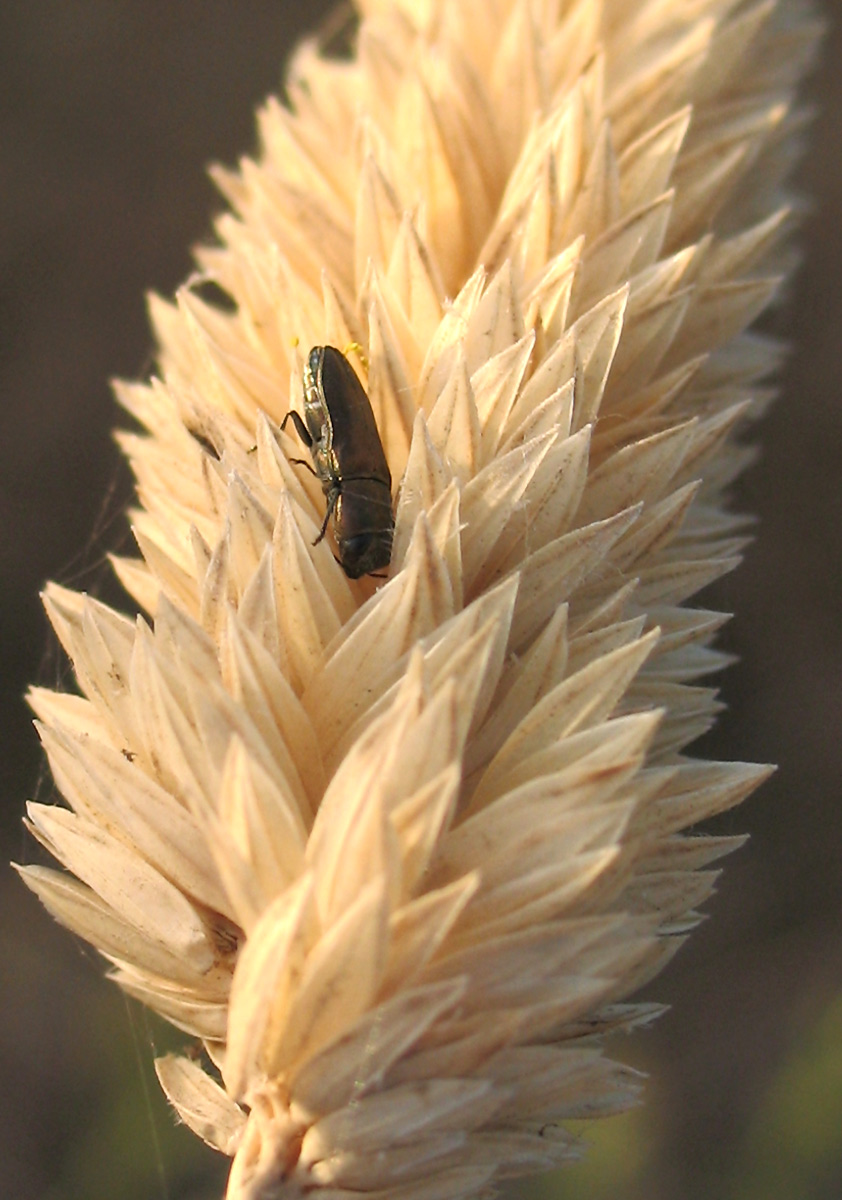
302	462
300	428
332	497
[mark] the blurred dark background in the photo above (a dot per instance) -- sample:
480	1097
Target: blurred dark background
109	113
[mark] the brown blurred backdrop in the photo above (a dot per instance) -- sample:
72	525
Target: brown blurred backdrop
109	113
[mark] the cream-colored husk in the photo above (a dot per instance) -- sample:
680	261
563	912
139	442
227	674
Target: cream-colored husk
399	851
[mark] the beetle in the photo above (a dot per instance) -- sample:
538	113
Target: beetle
341	434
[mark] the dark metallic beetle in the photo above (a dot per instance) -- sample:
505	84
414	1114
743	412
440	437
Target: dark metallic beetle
341	434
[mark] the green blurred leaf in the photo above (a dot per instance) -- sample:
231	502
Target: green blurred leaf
794	1147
